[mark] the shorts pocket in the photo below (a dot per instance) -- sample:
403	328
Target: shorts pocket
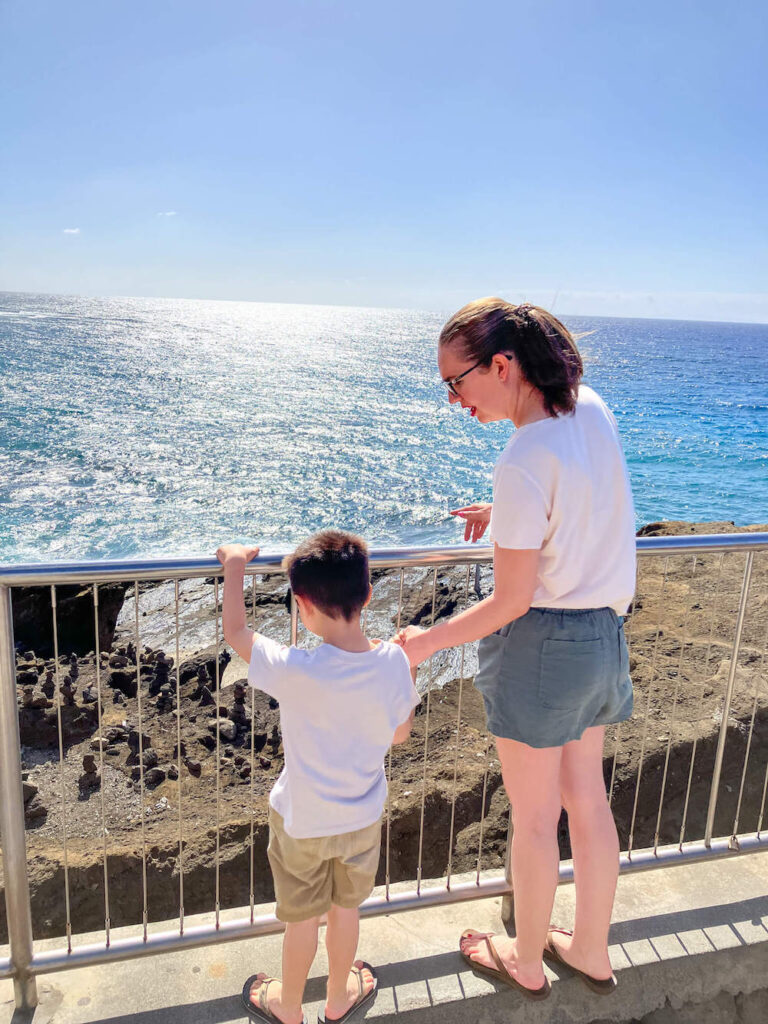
571	671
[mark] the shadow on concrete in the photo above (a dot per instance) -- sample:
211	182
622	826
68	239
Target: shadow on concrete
753	910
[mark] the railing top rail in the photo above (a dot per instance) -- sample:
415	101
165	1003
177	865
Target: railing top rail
46	573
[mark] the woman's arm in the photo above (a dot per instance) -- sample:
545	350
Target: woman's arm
514	578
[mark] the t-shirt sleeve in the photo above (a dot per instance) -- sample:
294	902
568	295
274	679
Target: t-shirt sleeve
519	517
406	694
268	664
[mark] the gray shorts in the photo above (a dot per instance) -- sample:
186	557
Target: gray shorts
554	672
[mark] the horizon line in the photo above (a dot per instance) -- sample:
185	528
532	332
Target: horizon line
392	308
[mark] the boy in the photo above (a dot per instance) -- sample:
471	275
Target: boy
341	706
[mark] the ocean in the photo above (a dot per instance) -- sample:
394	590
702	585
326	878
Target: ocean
163	427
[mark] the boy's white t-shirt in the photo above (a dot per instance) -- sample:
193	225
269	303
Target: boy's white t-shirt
338	713
561	485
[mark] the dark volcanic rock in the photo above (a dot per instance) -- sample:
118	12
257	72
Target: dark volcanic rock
154	777
206	660
33	619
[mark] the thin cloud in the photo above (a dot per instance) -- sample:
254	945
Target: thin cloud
71	231
168	213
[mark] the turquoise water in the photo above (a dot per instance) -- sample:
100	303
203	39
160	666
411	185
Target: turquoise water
164	427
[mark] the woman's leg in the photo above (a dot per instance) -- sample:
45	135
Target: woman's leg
595	847
532	781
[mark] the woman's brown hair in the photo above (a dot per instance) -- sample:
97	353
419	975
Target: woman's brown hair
543	347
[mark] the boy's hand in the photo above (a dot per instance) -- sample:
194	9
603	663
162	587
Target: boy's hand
416	643
236	553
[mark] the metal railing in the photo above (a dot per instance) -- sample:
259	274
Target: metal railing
695	641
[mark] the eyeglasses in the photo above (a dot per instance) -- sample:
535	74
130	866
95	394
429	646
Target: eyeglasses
453	381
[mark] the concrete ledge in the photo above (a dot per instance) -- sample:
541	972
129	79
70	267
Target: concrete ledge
688	944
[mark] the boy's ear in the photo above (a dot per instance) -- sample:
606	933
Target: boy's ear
367	601
303	604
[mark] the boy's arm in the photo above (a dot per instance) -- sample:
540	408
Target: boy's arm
234	558
403	731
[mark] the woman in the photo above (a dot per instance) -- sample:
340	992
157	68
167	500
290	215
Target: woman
553	661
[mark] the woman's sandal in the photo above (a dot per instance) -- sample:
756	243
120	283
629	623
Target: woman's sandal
260	1012
500	973
601	986
362	999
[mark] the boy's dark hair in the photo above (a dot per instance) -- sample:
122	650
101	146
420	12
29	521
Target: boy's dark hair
330	569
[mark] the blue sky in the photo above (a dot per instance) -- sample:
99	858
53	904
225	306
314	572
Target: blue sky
597	157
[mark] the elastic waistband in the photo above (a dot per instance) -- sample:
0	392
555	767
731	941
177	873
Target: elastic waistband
573	611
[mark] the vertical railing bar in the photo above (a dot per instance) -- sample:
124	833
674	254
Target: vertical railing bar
179	762
426	745
762	802
617	734
458	741
482	807
758	676
218	751
726	714
672	720
651	681
101	760
713	615
252	866
61	766
389	756
144	914
16	878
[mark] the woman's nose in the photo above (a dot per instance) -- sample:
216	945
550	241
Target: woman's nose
453	398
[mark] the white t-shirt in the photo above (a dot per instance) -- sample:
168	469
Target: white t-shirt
561	485
338	713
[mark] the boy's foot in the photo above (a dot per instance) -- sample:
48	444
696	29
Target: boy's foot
474	946
360	985
263	997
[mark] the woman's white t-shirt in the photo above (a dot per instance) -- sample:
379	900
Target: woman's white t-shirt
561	485
338	713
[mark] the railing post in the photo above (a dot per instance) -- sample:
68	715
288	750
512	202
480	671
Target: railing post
713	792
12	818
508	901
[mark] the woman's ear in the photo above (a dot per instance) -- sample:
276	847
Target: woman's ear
503	366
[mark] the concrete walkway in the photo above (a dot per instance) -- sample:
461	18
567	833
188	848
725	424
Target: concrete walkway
686	935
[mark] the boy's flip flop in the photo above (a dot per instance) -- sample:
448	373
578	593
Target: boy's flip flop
500	972
601	986
261	1011
362	999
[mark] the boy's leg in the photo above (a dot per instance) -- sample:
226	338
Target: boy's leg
299	948
341	937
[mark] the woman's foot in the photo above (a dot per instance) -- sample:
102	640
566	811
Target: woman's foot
336	1007
528	975
596	965
273	995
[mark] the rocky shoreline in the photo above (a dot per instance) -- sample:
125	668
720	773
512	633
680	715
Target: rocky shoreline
125	761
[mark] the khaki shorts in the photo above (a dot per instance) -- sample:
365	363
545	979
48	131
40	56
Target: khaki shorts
311	874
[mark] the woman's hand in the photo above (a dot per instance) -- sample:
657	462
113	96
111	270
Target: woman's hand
477	517
417	644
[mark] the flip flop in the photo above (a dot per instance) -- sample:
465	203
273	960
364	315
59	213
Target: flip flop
500	973
361	1001
601	986
260	1012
